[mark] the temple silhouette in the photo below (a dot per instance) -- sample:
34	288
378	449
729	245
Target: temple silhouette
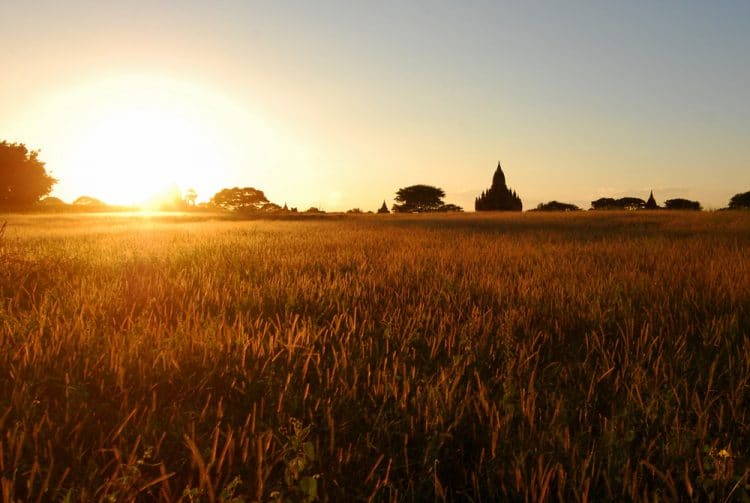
498	197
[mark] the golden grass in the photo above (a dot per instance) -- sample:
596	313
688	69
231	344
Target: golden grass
410	358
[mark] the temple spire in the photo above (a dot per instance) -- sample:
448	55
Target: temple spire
498	180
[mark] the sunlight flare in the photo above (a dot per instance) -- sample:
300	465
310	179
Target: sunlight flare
135	140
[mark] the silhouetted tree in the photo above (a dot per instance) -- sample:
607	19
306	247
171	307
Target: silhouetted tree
682	204
419	199
52	201
651	203
23	179
740	201
89	202
624	203
604	203
53	204
631	203
313	209
498	197
384	208
241	199
450	208
190	196
556	206
355	211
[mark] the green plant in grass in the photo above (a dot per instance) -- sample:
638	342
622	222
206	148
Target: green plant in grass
298	457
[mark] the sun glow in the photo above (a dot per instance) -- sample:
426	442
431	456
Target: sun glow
146	151
133	140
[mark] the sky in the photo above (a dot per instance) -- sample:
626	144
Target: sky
337	104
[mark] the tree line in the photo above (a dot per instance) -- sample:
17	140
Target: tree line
24	183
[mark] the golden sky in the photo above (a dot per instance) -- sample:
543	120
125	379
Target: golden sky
338	104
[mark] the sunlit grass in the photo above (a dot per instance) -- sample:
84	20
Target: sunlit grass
571	357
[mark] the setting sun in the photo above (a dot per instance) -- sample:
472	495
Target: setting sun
132	146
156	150
133	139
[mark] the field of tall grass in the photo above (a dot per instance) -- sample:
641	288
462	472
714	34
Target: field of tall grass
575	357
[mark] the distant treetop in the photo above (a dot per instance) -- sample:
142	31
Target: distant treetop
740	201
624	203
52	201
556	206
682	204
636	203
498	197
422	199
89	202
242	199
190	197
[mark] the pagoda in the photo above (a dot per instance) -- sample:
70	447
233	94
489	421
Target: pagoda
498	197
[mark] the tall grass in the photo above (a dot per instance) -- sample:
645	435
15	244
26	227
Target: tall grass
525	357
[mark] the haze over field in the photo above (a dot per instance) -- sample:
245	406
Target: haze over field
337	104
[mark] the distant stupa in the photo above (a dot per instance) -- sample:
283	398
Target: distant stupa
651	203
498	197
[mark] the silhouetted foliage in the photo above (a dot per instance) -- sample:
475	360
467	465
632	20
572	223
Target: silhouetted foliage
190	196
419	199
624	203
556	206
651	203
632	203
498	197
682	204
740	201
313	209
52	201
89	201
53	205
242	199
23	179
384	209
604	203
355	211
450	208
